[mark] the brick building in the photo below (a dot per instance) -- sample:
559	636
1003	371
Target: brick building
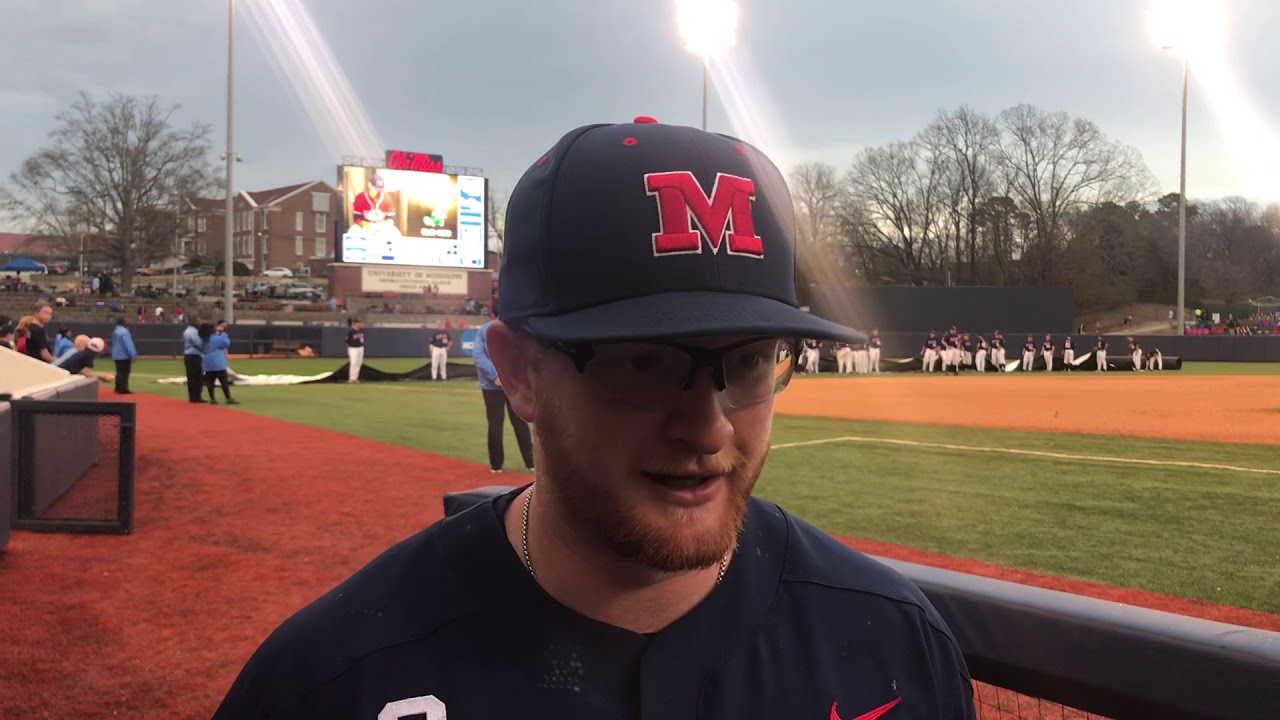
290	227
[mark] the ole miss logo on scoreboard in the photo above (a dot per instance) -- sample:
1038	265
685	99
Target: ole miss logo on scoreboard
414	161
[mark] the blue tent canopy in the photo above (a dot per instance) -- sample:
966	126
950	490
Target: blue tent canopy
22	265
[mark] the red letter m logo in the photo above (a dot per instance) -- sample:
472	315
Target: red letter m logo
681	202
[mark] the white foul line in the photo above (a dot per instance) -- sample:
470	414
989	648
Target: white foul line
1034	453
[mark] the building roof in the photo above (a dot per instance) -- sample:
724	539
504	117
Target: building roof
25	244
274	195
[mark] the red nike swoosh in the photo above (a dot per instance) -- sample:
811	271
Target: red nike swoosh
877	713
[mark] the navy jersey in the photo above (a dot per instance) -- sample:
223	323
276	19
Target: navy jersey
1047	346
1133	347
838	346
953	340
440	339
931	343
813	344
875	341
982	343
1067	344
1102	344
450	620
1029	347
79	360
355	338
968	345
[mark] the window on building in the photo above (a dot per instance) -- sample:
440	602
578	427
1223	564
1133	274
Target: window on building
322	223
297	245
297	221
266	246
200	224
320	247
319	202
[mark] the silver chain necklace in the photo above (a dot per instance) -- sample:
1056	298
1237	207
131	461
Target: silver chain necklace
524	541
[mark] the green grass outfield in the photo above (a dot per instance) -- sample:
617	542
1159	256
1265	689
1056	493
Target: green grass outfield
1122	511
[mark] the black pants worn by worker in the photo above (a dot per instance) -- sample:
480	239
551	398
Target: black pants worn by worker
218	376
123	368
495	403
195	377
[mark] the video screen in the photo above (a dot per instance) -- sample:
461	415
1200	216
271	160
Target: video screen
402	217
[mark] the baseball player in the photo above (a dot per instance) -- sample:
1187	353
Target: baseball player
844	357
1155	359
355	351
636	575
1068	353
1046	349
952	353
440	344
998	350
1029	354
980	357
811	349
860	358
873	351
930	351
1135	353
966	347
1100	352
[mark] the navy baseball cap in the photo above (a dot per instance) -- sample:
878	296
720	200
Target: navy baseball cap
641	230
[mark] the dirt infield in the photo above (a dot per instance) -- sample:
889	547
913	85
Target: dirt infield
1188	407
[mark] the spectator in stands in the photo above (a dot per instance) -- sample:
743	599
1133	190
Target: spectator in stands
123	352
62	344
192	350
495	403
21	331
37	338
81	361
6	333
214	343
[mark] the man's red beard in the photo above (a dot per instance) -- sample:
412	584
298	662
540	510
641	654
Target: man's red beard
599	513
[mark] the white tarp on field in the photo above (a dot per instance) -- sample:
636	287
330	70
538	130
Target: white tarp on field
238	379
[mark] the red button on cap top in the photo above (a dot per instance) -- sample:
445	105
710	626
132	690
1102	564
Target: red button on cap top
645	119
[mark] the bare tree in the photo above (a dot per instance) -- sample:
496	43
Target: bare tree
496	210
116	171
967	140
1053	165
899	190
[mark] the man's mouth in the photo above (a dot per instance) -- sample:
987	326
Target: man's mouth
679	481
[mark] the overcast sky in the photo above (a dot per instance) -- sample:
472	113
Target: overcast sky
493	83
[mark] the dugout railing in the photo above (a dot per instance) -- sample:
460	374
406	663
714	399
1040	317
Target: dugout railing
1061	655
72	465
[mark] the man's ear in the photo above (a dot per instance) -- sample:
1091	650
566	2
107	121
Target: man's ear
512	354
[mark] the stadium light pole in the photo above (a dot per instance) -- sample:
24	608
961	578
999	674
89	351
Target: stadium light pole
228	256
1179	26
708	28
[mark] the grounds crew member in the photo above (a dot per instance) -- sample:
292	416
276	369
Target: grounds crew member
637	577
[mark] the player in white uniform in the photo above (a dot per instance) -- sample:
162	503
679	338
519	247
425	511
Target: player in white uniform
1046	349
998	347
1135	352
810	356
1155	360
980	357
1068	353
930	351
1100	352
873	351
1029	354
844	357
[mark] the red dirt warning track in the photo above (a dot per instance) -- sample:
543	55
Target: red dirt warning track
240	521
1189	407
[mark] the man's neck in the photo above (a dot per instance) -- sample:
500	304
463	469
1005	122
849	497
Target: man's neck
593	582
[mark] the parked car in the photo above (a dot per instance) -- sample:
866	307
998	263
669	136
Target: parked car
278	272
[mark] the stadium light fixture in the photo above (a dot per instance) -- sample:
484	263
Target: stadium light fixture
708	28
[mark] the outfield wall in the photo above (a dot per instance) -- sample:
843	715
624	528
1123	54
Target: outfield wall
920	309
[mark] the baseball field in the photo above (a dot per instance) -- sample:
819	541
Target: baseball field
1155	489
